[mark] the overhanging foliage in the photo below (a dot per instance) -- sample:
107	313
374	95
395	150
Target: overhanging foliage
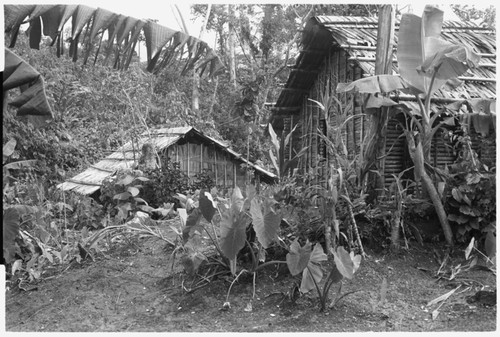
87	24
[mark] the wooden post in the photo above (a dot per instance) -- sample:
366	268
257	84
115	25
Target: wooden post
234	175
201	157
215	166
375	145
225	170
187	155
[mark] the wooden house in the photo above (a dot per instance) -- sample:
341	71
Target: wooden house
342	49
192	149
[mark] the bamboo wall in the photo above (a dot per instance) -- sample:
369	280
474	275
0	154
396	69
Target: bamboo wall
313	120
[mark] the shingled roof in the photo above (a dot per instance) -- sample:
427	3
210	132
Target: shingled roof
358	37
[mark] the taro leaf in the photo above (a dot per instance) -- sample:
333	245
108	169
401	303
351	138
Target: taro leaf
313	273
207	205
134	191
251	193
265	224
127	180
233	228
123	210
192	223
122	196
490	245
237	200
192	260
298	257
344	263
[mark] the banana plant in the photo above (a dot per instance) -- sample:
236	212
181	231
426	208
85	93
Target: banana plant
88	27
426	64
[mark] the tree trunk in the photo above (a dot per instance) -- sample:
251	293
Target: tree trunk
375	146
195	98
417	155
230	46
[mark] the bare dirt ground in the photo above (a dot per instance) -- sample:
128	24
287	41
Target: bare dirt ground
133	288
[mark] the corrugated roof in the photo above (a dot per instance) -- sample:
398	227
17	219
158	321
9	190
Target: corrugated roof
358	37
126	157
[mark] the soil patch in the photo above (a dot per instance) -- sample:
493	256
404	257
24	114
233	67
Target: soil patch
134	288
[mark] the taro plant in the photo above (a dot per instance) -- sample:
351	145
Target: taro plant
122	194
426	63
301	259
227	223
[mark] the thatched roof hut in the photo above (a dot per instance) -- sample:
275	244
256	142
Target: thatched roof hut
342	49
193	150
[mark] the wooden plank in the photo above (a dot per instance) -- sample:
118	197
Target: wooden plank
215	166
374	59
385	39
188	161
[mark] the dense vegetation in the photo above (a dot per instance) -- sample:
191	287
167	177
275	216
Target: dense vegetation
97	109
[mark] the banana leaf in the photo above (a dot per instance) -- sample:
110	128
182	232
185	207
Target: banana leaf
422	53
127	30
32	101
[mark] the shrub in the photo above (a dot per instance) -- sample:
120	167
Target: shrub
165	182
471	196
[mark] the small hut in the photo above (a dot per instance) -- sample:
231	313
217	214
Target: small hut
193	150
342	49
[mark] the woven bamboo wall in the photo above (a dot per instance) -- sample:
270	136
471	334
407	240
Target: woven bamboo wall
397	157
318	157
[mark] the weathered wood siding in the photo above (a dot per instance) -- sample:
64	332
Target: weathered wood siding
194	158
